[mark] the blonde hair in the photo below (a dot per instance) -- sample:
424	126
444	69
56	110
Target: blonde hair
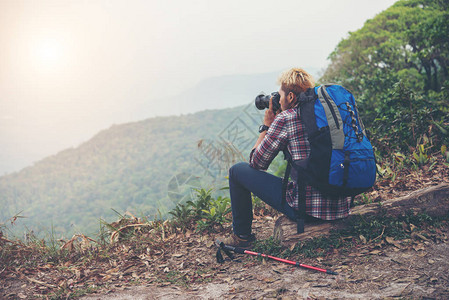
295	80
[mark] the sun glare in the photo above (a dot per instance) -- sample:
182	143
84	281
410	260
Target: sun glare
49	50
48	53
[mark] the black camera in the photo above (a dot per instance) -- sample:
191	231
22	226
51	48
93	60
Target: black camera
262	101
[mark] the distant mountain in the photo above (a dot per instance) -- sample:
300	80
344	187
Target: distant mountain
18	150
216	93
144	167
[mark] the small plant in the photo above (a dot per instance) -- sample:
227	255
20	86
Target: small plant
216	215
321	246
385	170
258	205
201	203
421	156
270	245
182	216
445	153
363	199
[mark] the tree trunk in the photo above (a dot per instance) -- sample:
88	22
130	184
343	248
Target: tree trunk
434	201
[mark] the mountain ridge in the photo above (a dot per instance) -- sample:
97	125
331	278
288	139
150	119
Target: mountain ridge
217	92
128	167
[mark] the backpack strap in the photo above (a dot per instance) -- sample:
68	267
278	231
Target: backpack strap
301	212
288	169
305	111
333	118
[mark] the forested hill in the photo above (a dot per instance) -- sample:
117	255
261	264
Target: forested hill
397	65
140	167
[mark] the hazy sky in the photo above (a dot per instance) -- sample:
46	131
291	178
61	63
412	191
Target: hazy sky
79	65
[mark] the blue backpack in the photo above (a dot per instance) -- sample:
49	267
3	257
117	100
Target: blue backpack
341	160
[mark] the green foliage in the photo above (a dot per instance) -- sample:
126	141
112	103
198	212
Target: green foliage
408	40
392	165
130	167
182	216
370	229
216	215
377	226
321	246
421	156
257	202
202	202
445	153
269	246
406	119
397	67
207	213
363	199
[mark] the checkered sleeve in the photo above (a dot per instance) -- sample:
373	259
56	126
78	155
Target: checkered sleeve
275	140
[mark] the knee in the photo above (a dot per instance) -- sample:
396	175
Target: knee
237	168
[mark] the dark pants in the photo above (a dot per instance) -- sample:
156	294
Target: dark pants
243	180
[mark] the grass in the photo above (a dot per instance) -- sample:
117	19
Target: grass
361	230
268	246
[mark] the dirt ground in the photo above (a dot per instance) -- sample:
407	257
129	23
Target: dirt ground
184	266
390	274
416	268
400	270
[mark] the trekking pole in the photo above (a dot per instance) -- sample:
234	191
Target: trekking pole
227	248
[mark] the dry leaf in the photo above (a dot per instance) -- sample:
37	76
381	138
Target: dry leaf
389	240
229	280
416	235
418	247
292	247
363	239
107	277
110	271
422	253
77	274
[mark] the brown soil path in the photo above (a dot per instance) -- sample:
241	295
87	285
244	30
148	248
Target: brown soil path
390	273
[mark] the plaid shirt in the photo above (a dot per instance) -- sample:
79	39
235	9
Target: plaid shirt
287	130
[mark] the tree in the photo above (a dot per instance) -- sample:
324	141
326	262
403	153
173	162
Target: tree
400	57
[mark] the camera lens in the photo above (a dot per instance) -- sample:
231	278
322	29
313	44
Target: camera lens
262	101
